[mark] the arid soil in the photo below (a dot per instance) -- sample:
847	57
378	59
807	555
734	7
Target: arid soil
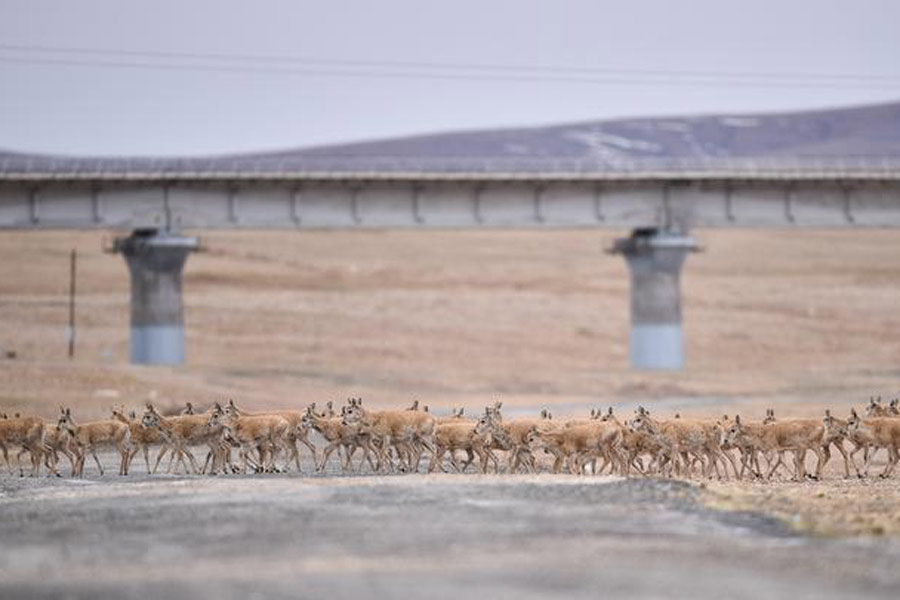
797	320
835	507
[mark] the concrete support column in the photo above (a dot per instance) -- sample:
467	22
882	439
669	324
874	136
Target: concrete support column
654	259
156	260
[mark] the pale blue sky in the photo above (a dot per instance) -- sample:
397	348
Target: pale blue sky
208	105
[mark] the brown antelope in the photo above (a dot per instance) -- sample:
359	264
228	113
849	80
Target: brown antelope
876	409
796	435
179	433
876	432
402	430
141	437
264	433
517	431
295	434
89	436
700	438
27	433
473	438
338	434
457	416
835	433
634	443
57	440
580	444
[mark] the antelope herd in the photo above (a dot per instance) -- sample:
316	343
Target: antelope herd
238	441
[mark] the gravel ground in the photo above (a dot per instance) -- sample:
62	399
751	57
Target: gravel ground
287	536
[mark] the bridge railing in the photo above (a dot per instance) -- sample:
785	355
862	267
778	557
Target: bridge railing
17	167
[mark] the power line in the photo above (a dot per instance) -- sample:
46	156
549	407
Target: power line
733	80
305	60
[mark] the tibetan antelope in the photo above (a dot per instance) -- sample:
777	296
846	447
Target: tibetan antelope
264	433
876	409
337	433
295	434
408	432
89	436
26	433
179	433
795	435
141	437
459	434
876	432
580	444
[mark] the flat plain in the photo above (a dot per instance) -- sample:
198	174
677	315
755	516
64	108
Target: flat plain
795	320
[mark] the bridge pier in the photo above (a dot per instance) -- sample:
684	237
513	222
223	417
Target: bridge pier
654	260
155	261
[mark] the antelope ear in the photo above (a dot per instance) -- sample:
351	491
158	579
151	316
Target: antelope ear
329	404
425	408
737	419
853	413
68	412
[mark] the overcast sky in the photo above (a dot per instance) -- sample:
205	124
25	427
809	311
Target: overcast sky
215	76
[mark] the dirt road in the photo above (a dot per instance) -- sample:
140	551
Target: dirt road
459	536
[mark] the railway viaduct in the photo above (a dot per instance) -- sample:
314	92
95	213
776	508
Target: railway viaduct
660	202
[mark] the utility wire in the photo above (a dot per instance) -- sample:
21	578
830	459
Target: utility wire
305	60
401	70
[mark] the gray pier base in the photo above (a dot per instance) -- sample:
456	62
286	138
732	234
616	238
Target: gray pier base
155	261
654	260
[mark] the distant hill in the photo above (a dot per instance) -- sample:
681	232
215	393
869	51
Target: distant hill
862	134
860	131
